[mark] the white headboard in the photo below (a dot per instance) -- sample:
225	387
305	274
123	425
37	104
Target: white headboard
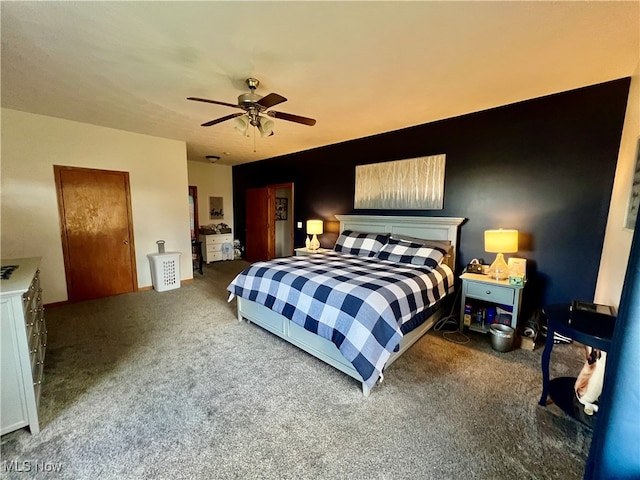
429	228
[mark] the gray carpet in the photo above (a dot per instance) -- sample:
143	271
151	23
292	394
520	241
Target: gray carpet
169	386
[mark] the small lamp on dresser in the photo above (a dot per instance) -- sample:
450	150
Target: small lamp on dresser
314	227
499	242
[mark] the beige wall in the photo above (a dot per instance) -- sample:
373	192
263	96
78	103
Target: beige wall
617	241
32	144
212	181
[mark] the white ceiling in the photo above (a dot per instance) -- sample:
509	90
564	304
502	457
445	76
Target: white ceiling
359	68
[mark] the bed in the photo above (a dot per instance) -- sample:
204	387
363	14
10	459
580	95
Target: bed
378	318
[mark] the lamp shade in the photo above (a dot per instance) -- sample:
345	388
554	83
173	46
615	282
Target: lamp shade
501	241
314	227
265	126
242	124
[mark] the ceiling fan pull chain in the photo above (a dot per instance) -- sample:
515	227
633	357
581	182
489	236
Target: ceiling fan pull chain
254	139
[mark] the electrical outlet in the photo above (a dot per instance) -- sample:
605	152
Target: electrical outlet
299	224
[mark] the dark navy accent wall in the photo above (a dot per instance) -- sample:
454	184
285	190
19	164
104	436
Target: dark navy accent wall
543	166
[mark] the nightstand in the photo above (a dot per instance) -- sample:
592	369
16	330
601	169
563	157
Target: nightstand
305	251
484	289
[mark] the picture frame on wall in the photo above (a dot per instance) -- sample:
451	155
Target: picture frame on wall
216	210
634	196
282	207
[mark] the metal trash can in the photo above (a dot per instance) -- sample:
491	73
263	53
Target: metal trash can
165	270
501	337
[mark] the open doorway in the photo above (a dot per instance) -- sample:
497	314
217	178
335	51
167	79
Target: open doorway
193	212
283	195
269	222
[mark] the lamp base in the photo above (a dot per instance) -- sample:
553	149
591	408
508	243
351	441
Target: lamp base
314	244
498	269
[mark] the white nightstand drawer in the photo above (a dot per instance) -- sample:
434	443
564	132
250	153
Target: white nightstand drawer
491	293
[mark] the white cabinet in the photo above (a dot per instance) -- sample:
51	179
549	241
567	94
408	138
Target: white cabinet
212	246
23	336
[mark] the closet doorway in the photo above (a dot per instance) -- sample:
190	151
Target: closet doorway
269	222
96	226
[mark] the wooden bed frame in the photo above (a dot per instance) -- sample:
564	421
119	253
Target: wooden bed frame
431	228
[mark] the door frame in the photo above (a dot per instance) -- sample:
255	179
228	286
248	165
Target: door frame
272	215
57	170
193	192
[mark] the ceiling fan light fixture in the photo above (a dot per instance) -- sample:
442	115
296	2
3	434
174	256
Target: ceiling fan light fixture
242	125
256	110
265	126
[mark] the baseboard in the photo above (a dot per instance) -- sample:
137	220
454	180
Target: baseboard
140	289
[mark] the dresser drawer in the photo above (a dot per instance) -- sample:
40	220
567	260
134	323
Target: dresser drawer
37	360
218	239
216	247
214	256
491	293
37	337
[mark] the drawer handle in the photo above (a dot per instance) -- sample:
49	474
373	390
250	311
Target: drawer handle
488	292
39	382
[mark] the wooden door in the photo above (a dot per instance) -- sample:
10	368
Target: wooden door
97	232
259	242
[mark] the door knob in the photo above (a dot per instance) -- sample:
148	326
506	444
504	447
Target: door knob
125	242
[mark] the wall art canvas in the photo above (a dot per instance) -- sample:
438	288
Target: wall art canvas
412	184
215	208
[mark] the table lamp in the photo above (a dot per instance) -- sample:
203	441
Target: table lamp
500	241
314	227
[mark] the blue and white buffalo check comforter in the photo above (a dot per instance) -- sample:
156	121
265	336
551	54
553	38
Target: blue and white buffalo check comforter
359	303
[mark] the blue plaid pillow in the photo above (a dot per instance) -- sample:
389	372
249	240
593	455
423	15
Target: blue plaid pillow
408	252
363	244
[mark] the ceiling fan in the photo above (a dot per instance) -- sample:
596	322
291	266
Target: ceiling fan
255	107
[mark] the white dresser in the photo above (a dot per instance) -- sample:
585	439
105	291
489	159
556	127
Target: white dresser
212	246
23	337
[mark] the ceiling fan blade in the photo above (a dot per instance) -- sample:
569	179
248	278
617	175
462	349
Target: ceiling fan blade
271	100
292	118
213	101
222	119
